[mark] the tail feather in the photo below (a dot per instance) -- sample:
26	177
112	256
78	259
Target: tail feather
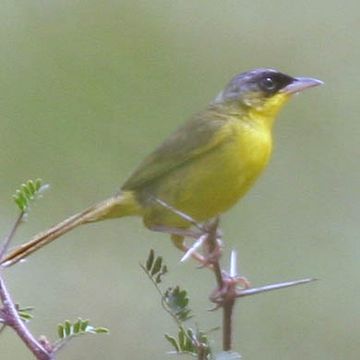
120	205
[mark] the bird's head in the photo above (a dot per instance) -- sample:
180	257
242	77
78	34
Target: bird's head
262	92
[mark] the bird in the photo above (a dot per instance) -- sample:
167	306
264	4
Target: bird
202	169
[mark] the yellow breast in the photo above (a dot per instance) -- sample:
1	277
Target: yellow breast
214	182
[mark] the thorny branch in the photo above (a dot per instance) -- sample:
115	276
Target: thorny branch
9	314
230	286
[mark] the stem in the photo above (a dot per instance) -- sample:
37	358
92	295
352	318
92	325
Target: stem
201	353
227	324
9	312
162	296
9	237
228	291
212	242
13	320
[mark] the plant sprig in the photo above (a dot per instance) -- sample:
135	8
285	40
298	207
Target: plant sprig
27	193
68	330
175	302
190	342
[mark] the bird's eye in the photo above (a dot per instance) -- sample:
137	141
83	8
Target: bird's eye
268	84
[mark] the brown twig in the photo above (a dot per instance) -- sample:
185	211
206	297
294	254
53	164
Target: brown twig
12	319
9	313
224	288
212	242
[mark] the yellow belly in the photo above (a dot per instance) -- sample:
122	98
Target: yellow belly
212	183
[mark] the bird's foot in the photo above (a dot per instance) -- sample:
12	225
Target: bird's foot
209	240
231	285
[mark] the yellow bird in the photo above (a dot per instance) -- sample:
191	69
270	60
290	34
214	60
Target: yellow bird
203	168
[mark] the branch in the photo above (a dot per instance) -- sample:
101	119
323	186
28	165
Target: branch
12	319
9	313
230	286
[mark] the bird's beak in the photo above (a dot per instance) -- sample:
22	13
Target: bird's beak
299	84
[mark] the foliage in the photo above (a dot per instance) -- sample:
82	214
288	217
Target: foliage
23	197
67	331
25	313
190	342
80	327
28	192
175	301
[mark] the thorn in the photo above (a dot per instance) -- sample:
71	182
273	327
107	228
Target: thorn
194	247
233	264
271	287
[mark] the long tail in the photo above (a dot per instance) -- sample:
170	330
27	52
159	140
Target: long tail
120	205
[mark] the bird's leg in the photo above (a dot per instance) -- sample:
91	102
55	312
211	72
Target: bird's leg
212	244
175	231
178	236
179	242
180	213
202	234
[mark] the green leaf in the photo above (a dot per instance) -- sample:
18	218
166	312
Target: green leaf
158	278
25	312
190	342
173	342
25	316
79	327
27	193
164	270
154	267
150	260
38	184
84	324
157	266
60	331
101	330
67	328
177	300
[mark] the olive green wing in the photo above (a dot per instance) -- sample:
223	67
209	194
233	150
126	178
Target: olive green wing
201	134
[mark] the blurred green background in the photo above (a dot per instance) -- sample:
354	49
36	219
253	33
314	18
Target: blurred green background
88	88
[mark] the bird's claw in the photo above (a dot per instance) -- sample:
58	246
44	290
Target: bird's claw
229	290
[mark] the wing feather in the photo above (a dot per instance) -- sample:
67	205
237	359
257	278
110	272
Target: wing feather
198	136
